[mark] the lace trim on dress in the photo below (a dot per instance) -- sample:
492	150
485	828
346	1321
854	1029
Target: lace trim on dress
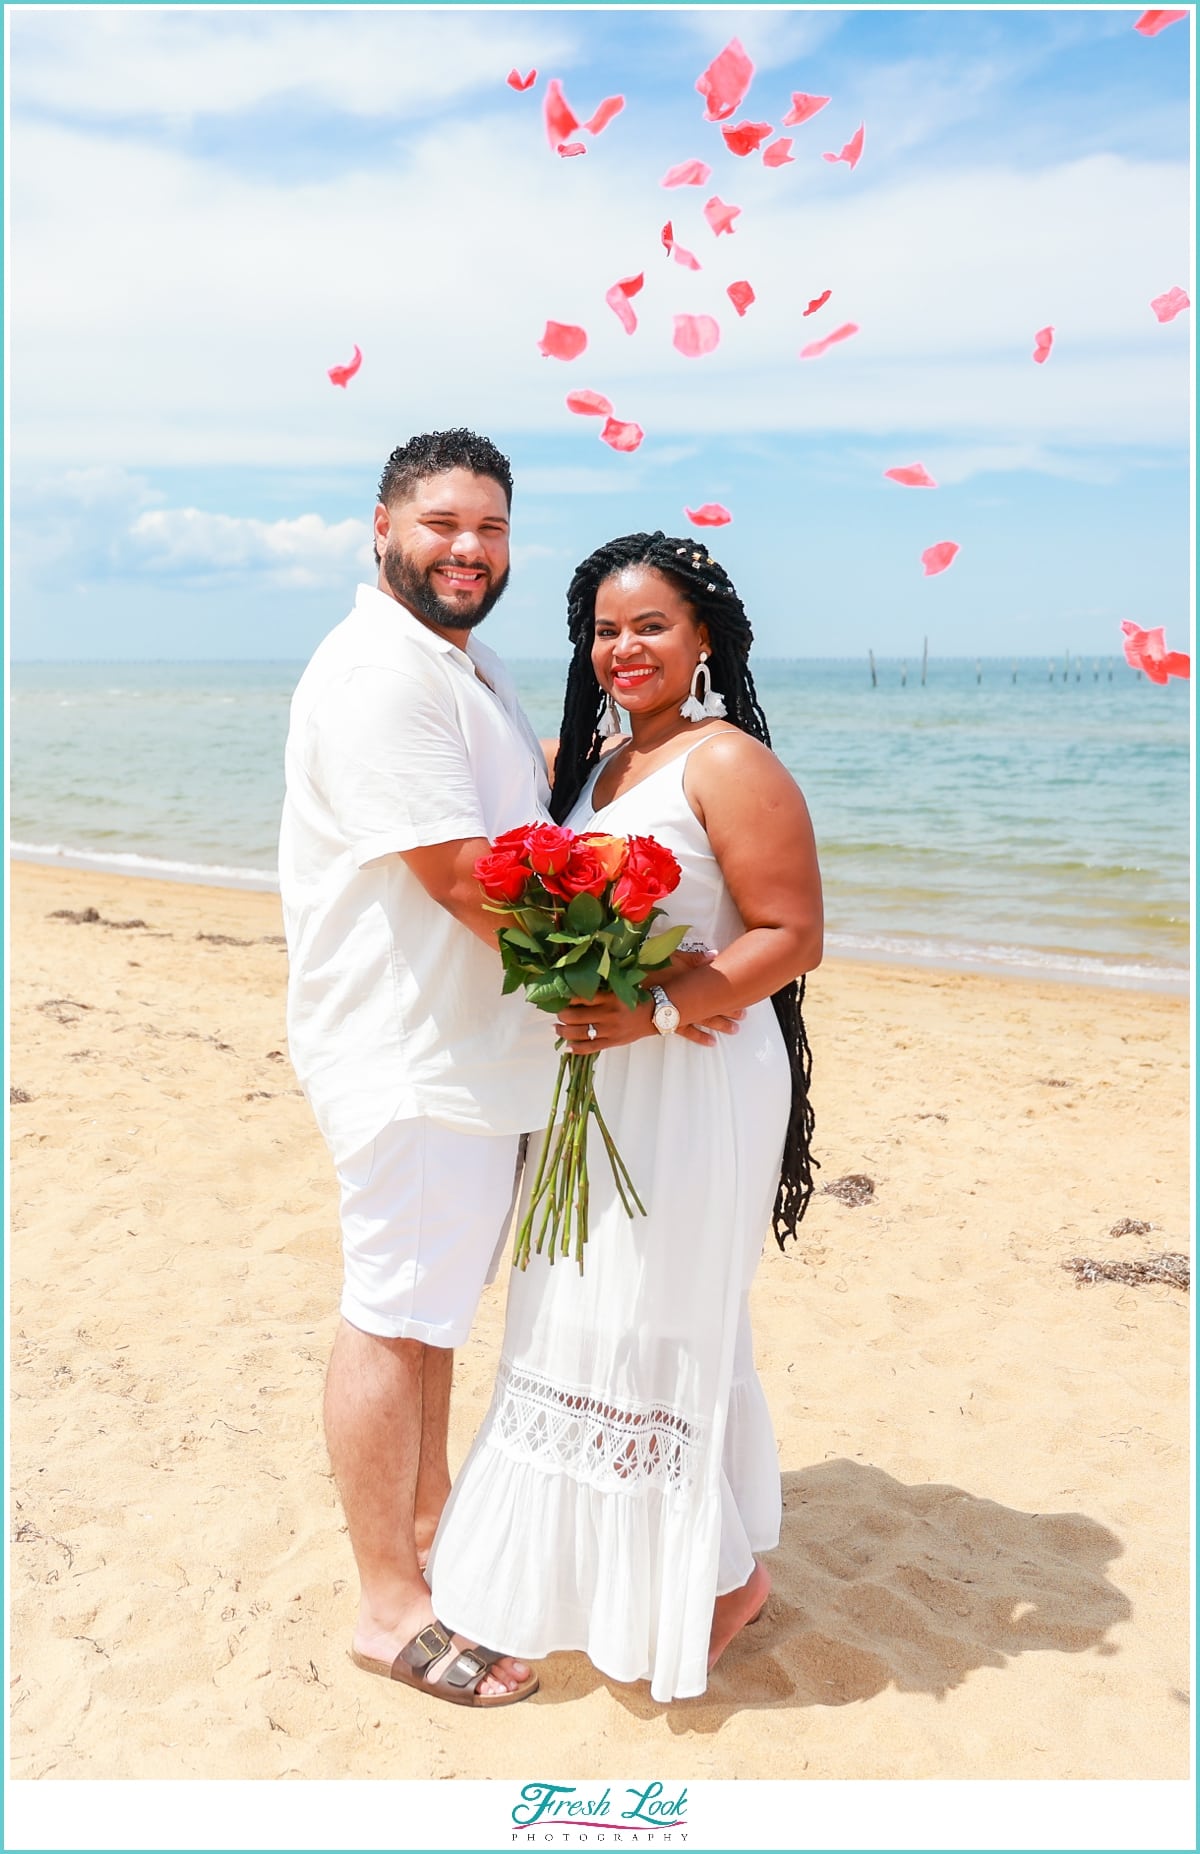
610	1446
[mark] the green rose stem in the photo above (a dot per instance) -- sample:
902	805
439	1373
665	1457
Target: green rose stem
561	1182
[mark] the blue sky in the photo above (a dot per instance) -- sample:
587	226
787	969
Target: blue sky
211	207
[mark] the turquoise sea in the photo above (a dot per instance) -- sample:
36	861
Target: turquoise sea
1007	818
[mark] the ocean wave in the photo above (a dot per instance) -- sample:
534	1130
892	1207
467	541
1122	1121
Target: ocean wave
1023	961
130	862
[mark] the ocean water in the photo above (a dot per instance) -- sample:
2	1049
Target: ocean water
999	818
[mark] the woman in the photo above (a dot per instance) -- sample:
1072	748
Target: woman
626	1473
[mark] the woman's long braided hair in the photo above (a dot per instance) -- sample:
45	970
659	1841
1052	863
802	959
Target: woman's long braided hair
710	592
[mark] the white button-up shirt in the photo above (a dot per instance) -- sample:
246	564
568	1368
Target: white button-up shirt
394	1007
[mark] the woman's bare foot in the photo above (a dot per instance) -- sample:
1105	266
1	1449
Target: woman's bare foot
733	1611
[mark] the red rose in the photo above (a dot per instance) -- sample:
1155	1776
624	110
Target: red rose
549	846
502	876
515	839
584	874
651	873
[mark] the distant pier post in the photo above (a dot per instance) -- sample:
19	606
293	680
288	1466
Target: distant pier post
924	660
1067	667
978	672
904	674
1014	669
1052	672
871	660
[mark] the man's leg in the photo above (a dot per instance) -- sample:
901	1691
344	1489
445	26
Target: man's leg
433	1468
373	1427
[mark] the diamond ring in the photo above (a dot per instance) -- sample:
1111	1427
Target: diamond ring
593	1033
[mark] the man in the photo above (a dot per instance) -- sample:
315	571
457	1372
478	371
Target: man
407	753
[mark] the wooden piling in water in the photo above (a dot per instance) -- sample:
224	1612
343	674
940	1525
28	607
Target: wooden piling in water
871	658
924	660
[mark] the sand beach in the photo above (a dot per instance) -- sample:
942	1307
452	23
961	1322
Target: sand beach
984	1564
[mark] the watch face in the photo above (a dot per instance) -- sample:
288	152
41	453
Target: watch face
666	1018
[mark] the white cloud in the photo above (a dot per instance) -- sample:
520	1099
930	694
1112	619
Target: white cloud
772	36
180	63
214	302
300	552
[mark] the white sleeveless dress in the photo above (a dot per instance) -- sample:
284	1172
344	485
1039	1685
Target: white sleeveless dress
626	1471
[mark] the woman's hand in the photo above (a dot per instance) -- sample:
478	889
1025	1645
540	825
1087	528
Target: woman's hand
615	1024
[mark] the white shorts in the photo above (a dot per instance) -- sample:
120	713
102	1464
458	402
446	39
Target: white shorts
425	1209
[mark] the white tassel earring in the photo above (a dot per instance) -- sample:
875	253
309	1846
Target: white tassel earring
703	703
610	721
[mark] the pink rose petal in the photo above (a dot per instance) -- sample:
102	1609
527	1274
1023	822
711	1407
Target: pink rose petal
571	148
611	106
560	119
741	296
340	375
720	216
1167	307
1147	651
803	106
779	153
695	335
725	82
852	151
936	559
1157	18
687	174
622	437
592	405
618	300
1043	341
818	302
913	476
515	81
745	138
817	348
678	252
708	515
563	341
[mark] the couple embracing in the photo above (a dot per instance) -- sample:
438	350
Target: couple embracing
625	1476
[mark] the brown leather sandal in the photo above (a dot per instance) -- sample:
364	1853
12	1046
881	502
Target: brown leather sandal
456	1681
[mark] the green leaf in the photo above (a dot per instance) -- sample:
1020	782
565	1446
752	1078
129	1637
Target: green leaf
585	914
605	962
576	953
513	981
625	987
512	936
658	949
584	977
534	921
548	992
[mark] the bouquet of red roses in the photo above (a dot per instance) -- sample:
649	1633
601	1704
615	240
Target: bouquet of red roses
583	906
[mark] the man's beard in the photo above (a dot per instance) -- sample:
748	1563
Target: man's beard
412	587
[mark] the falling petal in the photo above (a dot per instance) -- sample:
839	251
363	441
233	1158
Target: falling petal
1147	651
745	138
1167	307
618	300
515	81
708	515
611	106
720	216
816	348
687	174
741	296
852	151
1158	18
563	340
725	82
571	148
913	476
1043	341
678	252
560	119
594	405
818	302
340	375
803	106
937	559
779	153
695	335
622	437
